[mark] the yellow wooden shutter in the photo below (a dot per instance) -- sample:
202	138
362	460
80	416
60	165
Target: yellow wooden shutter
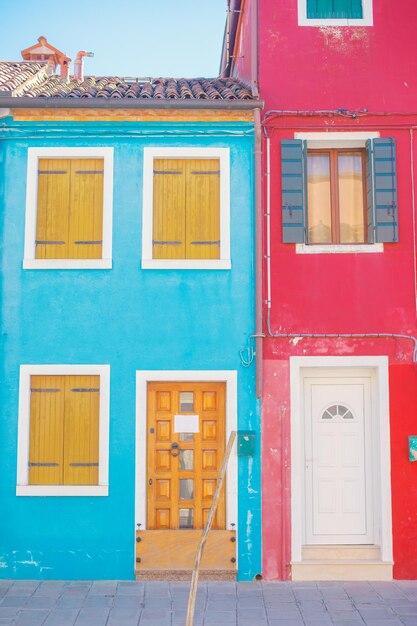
169	209
81	431
86	209
46	430
53	207
203	209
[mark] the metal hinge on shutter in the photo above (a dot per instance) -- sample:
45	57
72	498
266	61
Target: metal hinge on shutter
52	172
168	172
88	243
30	464
42	390
202	173
89	172
85	389
166	243
205	243
44	242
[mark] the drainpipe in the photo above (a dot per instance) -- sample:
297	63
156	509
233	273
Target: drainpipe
258	202
78	64
258	252
254	48
413	205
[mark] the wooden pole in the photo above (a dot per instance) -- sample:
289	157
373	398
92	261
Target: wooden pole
216	496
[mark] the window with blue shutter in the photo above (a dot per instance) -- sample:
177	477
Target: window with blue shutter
339	195
334	9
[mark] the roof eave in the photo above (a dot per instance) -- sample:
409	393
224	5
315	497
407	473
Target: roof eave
225	64
125	103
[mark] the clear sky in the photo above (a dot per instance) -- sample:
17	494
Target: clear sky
128	37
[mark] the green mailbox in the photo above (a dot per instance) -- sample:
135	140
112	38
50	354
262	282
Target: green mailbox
412	448
246	443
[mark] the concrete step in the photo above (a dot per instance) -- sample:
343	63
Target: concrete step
185	574
341	569
331	552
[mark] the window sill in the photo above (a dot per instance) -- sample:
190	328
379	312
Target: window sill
334	22
67	264
62	490
302	248
178	264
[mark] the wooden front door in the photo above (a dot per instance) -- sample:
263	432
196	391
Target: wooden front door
185	446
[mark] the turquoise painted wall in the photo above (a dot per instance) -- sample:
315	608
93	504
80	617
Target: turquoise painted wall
129	318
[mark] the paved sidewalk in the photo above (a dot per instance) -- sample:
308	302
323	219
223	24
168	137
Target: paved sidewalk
111	603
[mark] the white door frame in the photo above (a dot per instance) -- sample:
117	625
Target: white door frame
378	365
229	377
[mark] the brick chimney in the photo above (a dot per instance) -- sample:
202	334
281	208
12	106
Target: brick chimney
78	64
43	51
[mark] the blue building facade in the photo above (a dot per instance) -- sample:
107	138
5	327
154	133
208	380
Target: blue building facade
127	322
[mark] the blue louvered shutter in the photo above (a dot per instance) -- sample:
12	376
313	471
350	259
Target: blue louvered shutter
334	9
383	206
293	190
370	212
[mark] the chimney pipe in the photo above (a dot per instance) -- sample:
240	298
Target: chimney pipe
65	63
78	64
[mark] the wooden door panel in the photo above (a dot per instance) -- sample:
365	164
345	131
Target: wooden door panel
209	400
163	400
163	430
209	487
162	518
209	461
209	430
183	467
162	489
162	461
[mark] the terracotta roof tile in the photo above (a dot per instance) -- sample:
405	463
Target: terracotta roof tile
15	74
30	80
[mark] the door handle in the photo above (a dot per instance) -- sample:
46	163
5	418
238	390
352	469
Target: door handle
175	449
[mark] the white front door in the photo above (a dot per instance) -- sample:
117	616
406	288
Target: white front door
338	460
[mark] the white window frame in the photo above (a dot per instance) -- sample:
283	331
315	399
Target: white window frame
23	488
34	154
337	140
367	19
149	155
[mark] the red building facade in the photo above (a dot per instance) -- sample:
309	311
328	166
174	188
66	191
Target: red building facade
338	377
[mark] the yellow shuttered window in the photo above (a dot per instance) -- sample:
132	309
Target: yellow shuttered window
69	222
64	430
186	209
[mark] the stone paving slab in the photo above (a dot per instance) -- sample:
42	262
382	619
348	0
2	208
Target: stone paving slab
129	603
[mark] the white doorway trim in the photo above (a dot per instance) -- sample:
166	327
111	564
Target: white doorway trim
142	378
379	366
